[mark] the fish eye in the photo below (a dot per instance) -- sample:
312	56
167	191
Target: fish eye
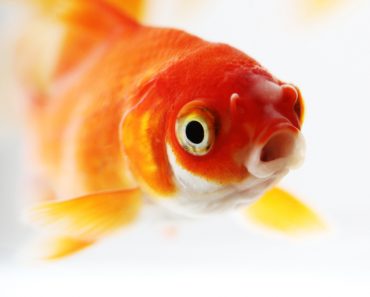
195	132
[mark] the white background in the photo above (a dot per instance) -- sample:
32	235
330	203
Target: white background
326	52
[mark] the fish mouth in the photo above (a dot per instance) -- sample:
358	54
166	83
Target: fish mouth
283	151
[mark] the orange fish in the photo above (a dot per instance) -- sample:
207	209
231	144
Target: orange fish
129	117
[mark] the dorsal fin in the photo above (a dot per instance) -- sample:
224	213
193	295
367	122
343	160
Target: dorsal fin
67	32
88	25
133	8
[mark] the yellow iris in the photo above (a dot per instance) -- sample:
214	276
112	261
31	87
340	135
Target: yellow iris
195	131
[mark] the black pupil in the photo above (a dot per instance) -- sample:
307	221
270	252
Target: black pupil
194	132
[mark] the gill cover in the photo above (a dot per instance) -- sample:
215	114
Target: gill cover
143	140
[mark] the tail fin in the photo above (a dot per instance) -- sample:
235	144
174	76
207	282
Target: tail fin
65	33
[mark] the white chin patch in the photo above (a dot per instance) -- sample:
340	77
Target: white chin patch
199	196
187	180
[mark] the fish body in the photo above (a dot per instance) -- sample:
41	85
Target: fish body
131	113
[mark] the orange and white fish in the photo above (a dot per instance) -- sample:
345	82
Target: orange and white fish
127	115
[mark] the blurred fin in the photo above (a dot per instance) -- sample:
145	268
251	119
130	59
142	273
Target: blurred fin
67	34
59	247
133	8
89	217
311	9
280	211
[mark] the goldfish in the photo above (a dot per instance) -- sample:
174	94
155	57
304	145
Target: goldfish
128	117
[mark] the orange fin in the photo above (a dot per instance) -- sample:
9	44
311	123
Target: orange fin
134	8
90	24
280	211
66	35
89	217
60	247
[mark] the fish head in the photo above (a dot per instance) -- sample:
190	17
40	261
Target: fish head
218	131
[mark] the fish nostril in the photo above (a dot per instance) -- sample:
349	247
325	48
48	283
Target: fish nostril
279	146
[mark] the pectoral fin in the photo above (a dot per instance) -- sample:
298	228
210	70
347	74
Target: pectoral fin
89	217
280	211
58	247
